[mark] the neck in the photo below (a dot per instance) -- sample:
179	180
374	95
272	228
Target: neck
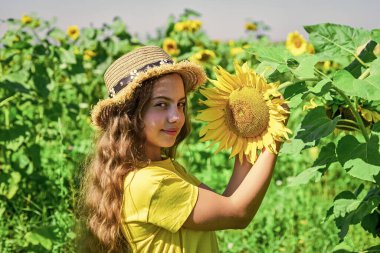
153	155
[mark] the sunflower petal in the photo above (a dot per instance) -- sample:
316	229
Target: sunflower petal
214	102
213	93
210	114
231	140
203	130
227	77
236	148
220	85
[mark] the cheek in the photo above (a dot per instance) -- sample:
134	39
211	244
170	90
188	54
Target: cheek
152	120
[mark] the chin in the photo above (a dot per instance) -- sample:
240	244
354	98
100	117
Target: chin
168	144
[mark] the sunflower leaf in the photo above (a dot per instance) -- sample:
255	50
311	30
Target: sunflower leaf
366	55
331	40
375	35
306	176
321	88
362	170
306	65
272	54
361	160
316	125
368	88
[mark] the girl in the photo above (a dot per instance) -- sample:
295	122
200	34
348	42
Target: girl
136	197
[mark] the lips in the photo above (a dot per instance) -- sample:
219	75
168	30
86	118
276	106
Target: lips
170	131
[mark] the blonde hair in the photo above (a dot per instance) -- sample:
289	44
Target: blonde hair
118	150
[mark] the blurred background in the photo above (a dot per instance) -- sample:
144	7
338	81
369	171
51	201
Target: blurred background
222	19
52	58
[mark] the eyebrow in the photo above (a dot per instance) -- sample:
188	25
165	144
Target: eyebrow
167	98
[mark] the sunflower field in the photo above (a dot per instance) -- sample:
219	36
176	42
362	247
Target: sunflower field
325	192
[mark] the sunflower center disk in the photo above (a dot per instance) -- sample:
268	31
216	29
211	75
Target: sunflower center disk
247	114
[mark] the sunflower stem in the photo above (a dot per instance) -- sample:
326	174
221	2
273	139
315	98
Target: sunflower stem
348	127
354	111
322	74
364	74
348	121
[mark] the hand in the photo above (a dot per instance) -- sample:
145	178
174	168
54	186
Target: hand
286	107
245	164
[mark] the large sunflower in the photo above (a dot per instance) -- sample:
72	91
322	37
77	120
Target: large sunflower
245	113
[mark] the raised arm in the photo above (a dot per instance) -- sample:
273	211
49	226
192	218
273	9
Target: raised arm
238	205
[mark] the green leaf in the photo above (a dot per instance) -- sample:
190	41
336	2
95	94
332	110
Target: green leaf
277	55
344	206
349	148
67	56
13	133
333	39
368	88
295	93
366	55
361	160
321	87
316	125
295	89
327	156
9	184
266	68
118	26
369	224
38	239
57	34
293	146
307	175
41	79
306	66
343	248
375	35
375	67
362	170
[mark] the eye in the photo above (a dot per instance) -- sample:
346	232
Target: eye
161	105
182	104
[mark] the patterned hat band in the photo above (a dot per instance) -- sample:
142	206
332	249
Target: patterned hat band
132	75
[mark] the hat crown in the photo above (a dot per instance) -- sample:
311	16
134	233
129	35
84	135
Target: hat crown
129	63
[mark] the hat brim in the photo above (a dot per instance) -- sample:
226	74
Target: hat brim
192	75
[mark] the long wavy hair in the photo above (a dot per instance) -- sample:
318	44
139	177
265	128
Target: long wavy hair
118	149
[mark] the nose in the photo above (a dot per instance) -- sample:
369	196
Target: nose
174	115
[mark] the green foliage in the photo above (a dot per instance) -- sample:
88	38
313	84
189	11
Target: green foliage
49	80
342	93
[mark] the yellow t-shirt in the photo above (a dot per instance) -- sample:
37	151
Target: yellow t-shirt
157	201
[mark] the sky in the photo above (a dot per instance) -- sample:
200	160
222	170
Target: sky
221	19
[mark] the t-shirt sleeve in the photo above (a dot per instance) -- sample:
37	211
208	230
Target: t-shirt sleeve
172	203
195	180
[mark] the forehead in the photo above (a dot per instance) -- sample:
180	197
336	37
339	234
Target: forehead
169	85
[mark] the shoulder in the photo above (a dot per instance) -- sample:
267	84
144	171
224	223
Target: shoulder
180	167
147	177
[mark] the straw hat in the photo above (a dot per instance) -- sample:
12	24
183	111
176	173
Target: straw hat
127	73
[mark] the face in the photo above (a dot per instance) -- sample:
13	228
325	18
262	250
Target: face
165	114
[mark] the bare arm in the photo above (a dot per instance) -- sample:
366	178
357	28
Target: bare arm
249	195
237	208
238	174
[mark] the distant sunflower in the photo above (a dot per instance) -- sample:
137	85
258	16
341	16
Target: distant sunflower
296	44
245	113
170	47
203	56
235	51
370	116
73	32
26	19
250	26
88	54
